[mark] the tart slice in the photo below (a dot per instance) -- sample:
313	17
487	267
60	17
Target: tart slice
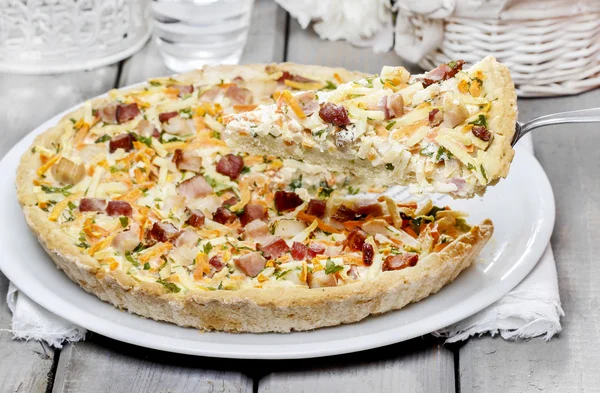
448	130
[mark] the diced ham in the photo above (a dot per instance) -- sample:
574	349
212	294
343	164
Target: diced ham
353	273
183	89
92	205
224	216
253	211
216	263
210	94
177	125
435	117
256	229
108	113
163	117
66	171
173	202
196	218
188	238
299	251
230	165
289	228
251	264
296	78
230	201
400	261
334	114
162	232
127	240
123	141
308	102
195	187
333	251
343	213
442	72
368	207
355	240
481	132
287	200
119	208
455	111
147	129
316	207
320	279
187	160
239	95
274	249
127	112
315	249
368	254
392	106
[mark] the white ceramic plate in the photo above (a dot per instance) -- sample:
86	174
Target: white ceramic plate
522	208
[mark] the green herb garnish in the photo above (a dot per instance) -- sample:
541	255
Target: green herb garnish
124	221
389	167
296	183
480	121
102	139
390	125
331	267
169	285
57	190
353	191
130	258
147	266
329	86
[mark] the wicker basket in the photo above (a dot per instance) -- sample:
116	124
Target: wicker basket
552	47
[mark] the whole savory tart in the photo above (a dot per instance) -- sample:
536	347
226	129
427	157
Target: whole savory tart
139	200
449	130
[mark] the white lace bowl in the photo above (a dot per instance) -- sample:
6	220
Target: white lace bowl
53	36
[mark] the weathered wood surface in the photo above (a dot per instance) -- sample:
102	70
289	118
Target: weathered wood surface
27	101
569	362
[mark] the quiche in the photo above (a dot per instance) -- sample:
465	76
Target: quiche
139	200
447	131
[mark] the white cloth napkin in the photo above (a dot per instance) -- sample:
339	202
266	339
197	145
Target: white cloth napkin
530	310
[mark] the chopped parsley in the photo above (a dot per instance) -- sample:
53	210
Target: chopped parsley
147	266
462	225
245	169
155	83
331	268
207	247
483	172
71	205
442	154
138	248
389	167
146	140
57	190
324	190
296	183
186	113
82	241
434	210
102	139
470	166
131	259
390	125
329	86
218	187
281	274
353	191
124	220
171	287
480	121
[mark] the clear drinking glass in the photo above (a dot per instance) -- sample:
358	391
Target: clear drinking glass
192	33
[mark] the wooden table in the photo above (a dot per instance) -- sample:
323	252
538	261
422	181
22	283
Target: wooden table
568	363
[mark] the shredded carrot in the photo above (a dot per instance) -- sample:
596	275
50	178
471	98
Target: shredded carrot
140	103
302	216
409	129
130	196
338	78
172	92
410	231
112	263
289	99
244	108
245	197
93	230
463	86
202	266
80	135
439	247
475	88
154	251
276	95
62	205
102	244
304	272
350	225
41	170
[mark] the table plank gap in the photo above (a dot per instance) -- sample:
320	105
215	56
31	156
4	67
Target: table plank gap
569	362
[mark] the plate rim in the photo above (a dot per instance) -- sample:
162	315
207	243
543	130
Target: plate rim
91	322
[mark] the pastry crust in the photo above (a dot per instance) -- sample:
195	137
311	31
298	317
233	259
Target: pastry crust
270	309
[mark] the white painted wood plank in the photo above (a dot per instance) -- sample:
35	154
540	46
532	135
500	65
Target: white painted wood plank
305	46
103	365
419	365
569	362
266	40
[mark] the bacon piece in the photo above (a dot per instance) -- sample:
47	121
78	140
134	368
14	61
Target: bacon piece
287	200
299	251
163	117
334	114
119	208
316	207
216	262
127	240
230	202
251	264
353	273
253	211
274	249
257	230
108	113
123	141
239	95
162	232
188	160
344	213
320	279
183	89
195	187
442	72
224	216
400	261
355	240
196	218
147	129
92	205
127	112
67	172
435	117
315	249
481	132
368	207
230	165
368	254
